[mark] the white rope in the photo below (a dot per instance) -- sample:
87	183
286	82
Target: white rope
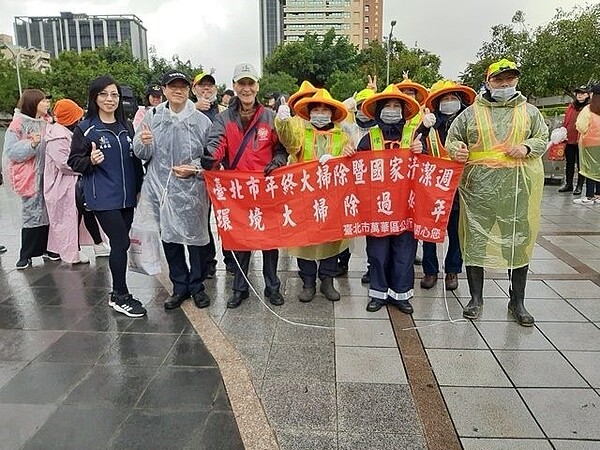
262	300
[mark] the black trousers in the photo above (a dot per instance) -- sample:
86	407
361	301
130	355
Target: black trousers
270	259
572	159
34	241
89	219
116	224
186	279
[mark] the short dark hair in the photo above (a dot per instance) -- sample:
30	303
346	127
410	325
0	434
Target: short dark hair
29	101
595	104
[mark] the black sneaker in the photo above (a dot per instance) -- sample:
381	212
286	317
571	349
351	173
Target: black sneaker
51	256
212	271
23	263
3	249
201	299
126	304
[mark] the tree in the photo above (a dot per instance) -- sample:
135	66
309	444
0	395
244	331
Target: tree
509	41
313	58
9	86
279	82
565	53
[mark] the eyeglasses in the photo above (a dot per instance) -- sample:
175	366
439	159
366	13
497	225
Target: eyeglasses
107	94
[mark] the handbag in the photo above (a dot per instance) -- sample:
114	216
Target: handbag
23	177
79	195
556	152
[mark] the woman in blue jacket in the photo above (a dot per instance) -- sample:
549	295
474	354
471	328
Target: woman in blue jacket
101	150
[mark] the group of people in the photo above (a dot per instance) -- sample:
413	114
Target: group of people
495	216
579	135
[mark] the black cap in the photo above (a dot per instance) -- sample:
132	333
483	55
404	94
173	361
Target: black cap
582	88
229	92
173	75
595	89
153	89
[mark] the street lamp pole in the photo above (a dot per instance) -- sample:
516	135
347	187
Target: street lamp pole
16	58
389	50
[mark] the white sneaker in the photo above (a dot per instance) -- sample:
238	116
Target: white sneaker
584	201
82	258
101	249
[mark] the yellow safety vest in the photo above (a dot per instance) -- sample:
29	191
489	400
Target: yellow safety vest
488	150
409	129
334	143
377	140
436	147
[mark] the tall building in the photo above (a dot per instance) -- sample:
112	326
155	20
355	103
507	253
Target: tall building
36	59
81	32
289	20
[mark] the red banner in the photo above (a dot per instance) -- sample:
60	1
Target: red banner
372	193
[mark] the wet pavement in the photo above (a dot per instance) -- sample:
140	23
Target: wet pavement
76	374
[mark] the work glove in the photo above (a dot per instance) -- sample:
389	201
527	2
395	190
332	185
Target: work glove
558	135
324	158
283	112
350	104
428	118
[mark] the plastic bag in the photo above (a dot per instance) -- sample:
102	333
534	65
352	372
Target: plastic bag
144	248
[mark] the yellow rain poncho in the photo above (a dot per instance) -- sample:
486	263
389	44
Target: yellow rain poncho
500	196
305	143
588	125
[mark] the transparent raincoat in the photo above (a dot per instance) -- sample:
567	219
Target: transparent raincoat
306	143
588	125
500	196
17	148
181	205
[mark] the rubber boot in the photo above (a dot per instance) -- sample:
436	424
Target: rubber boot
328	290
475	305
579	186
516	291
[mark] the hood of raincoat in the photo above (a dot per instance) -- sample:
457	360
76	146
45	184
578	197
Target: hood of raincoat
57	131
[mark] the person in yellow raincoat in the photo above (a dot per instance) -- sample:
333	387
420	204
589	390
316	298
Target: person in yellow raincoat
315	134
501	138
588	125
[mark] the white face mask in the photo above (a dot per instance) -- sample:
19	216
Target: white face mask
360	116
503	94
320	120
449	107
391	115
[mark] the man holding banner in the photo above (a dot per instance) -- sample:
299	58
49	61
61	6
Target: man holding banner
390	257
243	138
501	138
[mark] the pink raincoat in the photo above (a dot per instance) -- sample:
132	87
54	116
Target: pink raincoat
65	234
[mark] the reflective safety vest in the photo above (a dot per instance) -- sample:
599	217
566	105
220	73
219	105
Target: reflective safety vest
409	129
436	147
377	140
488	150
334	143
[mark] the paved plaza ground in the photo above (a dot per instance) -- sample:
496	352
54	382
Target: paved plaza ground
75	374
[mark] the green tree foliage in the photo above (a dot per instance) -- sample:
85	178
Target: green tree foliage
313	59
279	82
554	58
9	86
508	41
565	53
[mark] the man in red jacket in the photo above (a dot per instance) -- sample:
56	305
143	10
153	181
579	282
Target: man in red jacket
243	138
582	98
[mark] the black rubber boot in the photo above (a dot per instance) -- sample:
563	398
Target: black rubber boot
566	188
516	291
328	290
475	305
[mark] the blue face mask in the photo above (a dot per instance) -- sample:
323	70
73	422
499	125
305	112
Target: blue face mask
503	94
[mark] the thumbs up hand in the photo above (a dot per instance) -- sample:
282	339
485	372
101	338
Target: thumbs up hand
417	145
428	118
146	134
283	112
96	157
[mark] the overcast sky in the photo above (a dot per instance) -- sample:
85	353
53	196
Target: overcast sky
221	33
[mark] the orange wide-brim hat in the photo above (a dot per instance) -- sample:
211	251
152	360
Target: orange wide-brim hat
302	106
410	107
306	90
443	87
421	90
